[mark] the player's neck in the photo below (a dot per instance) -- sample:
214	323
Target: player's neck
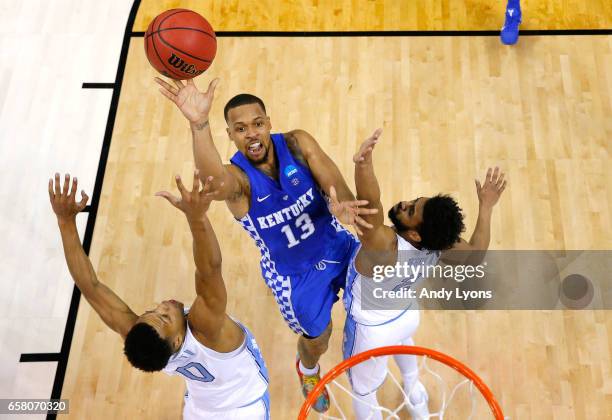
270	165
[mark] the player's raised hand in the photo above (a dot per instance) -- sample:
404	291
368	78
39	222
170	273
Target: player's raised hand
63	198
194	203
493	187
364	155
194	105
348	212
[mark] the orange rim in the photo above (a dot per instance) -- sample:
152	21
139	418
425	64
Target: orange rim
389	350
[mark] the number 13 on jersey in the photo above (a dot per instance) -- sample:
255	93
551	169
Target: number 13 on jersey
303	224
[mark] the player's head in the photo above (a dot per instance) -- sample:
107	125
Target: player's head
434	223
158	334
248	126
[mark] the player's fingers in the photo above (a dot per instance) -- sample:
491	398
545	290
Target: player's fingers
332	194
502	187
359	232
178	84
216	192
51	193
495	175
207	184
57	184
212	86
168	95
500	179
164	84
181	187
478	186
196	181
363	223
375	135
66	185
171	198
73	189
84	199
357	203
366	211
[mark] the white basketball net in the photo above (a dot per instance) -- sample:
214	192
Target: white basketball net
445	401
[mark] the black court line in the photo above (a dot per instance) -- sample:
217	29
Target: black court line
312	34
98	86
60	373
39	357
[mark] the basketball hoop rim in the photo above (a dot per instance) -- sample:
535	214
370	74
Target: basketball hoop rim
391	350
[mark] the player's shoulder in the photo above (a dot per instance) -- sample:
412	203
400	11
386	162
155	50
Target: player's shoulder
300	144
233	168
381	238
239	198
298	135
238	173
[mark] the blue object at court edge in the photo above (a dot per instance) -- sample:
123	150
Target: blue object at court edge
510	30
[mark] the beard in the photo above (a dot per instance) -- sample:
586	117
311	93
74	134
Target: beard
392	213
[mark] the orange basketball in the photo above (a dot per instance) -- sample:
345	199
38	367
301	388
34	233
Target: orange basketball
180	44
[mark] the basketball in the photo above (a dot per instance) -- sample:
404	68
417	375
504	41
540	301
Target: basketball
180	44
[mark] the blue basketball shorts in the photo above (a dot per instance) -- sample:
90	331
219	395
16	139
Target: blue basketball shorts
305	300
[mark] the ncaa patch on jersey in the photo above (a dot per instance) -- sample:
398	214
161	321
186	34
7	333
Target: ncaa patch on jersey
290	170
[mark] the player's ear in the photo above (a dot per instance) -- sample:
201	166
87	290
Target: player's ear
229	133
268	123
177	342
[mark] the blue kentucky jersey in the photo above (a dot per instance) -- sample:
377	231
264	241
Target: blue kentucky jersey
289	218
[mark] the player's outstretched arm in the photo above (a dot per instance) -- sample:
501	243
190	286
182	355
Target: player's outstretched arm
195	106
208	311
113	311
342	201
488	195
379	237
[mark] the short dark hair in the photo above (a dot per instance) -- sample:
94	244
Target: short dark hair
242	99
145	349
442	223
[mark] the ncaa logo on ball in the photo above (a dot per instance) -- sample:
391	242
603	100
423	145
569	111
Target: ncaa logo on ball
290	170
179	63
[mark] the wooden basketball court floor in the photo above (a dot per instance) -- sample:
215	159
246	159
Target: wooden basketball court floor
451	104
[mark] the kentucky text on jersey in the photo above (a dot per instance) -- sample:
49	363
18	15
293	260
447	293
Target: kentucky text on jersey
287	213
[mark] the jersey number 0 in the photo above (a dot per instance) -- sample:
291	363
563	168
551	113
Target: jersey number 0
202	376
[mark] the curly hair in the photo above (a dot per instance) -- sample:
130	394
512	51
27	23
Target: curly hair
242	99
442	223
145	349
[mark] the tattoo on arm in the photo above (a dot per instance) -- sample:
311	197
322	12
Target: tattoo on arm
201	126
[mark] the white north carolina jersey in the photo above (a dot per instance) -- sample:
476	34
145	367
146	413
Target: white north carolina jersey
220	381
367	309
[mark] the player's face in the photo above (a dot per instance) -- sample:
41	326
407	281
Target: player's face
249	128
168	320
407	215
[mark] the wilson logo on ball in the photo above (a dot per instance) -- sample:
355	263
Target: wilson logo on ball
179	63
